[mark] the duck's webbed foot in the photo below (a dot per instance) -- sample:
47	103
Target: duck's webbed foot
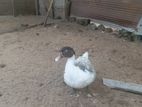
88	92
74	92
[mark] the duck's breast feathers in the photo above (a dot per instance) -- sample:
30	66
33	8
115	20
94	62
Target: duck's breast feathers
84	63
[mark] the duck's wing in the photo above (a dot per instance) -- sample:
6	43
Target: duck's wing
84	63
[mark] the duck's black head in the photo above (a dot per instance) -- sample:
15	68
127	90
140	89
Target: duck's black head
65	52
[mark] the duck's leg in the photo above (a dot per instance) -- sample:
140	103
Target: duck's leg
89	93
74	92
64	83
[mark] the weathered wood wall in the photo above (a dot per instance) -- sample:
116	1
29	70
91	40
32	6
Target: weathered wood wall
24	7
6	7
123	12
17	7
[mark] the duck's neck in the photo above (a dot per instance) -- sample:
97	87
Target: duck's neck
70	63
71	59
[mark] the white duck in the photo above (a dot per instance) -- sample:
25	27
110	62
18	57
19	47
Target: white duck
79	73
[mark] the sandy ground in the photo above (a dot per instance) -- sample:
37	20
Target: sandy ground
29	77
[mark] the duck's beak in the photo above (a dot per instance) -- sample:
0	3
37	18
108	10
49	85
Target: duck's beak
58	57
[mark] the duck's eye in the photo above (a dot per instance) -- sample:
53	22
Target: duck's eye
66	51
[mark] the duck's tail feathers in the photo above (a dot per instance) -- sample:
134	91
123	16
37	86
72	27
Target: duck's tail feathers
86	55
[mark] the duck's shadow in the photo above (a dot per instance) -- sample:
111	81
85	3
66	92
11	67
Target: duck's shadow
95	89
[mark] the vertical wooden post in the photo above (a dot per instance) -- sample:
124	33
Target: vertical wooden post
50	6
37	7
67	9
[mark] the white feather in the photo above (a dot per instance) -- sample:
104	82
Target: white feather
76	77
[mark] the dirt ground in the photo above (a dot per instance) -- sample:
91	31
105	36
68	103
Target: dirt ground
29	77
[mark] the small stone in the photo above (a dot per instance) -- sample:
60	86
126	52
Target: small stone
83	22
92	27
72	19
96	38
89	95
95	94
1	95
24	25
58	17
76	95
56	26
122	32
102	32
101	27
80	30
37	34
95	101
132	37
114	51
139	54
41	84
127	35
123	57
115	33
109	59
109	30
2	65
46	44
27	98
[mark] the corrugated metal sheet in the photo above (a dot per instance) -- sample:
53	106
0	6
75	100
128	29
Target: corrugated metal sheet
123	12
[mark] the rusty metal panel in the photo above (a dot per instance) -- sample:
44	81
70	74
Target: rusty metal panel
123	12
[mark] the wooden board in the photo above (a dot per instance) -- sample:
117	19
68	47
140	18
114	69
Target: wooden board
130	87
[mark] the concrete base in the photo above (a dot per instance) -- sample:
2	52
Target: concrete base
59	9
